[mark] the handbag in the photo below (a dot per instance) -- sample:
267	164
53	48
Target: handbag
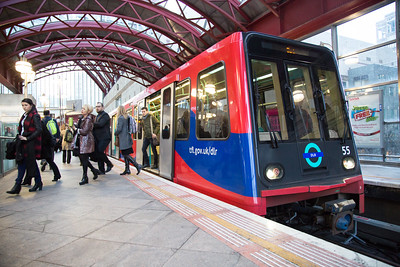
11	149
75	145
156	139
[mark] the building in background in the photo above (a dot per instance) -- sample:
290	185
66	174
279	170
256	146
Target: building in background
367	56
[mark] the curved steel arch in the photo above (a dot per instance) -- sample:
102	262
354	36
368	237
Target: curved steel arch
72	24
116	61
167	30
183	29
38	51
52	70
123	65
59	27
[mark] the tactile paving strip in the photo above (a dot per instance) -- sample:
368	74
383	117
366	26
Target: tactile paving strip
252	239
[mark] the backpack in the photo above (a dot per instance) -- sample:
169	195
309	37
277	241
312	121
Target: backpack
69	137
47	138
52	127
131	125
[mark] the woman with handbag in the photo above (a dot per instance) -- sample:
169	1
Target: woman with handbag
29	149
85	139
125	140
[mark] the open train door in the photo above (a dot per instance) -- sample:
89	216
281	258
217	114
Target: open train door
166	161
139	138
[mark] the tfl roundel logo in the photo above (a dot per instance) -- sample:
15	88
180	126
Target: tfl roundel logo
313	155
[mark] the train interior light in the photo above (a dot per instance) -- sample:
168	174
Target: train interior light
298	96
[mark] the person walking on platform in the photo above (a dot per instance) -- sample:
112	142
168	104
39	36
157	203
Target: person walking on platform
52	127
149	133
102	136
29	147
85	142
67	134
125	139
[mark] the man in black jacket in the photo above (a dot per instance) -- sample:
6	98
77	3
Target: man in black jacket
102	137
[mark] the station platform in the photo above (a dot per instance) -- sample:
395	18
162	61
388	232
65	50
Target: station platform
145	221
378	175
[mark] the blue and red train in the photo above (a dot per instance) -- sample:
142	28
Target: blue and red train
259	122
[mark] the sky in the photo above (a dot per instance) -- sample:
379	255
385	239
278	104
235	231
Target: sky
362	27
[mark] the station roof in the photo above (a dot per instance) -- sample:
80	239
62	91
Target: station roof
142	40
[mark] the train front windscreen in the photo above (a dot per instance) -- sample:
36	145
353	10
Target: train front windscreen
299	113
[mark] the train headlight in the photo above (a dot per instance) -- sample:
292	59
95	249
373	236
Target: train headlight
349	163
274	172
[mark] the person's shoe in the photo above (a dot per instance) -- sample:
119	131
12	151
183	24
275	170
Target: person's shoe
36	187
145	166
139	168
154	167
109	167
96	174
125	172
56	179
84	180
15	190
43	167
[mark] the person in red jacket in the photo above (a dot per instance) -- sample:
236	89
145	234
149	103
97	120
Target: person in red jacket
29	148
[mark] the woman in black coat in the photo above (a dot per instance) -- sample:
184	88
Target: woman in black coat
125	140
29	148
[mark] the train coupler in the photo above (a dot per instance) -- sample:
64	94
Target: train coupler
340	215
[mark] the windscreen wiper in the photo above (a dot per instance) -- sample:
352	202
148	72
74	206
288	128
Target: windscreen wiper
346	126
274	142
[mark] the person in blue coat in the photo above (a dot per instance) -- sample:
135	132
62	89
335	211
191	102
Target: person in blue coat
125	140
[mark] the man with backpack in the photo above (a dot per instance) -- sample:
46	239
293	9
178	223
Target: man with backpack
52	127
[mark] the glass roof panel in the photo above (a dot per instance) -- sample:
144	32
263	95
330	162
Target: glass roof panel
75	16
104	18
182	10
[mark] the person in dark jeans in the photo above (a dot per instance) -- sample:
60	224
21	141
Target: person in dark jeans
102	137
29	149
148	137
49	148
85	143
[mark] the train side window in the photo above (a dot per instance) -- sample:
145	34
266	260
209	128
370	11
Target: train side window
129	112
166	110
182	110
154	105
212	115
135	117
270	110
138	109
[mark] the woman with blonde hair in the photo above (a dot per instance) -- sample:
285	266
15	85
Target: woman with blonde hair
86	142
125	140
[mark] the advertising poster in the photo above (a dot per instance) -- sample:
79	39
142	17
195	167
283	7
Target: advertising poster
366	119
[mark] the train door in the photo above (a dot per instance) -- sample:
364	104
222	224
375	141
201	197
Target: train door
166	161
139	134
153	104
